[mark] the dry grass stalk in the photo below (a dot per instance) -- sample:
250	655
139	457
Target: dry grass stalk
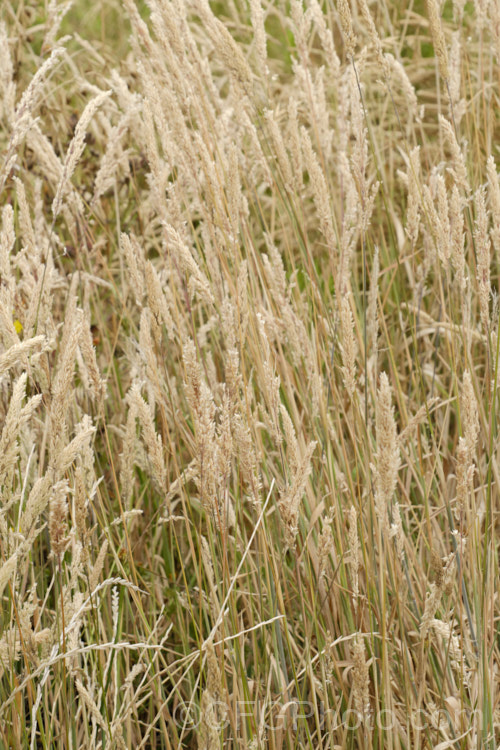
354	554
443	572
75	149
326	548
483	244
58	528
459	169
494	196
291	497
361	677
345	17
457	238
257	17
372	324
349	346
440	48
388	456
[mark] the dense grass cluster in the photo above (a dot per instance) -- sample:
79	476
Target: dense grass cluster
249	374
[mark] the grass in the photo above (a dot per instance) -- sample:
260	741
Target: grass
249	347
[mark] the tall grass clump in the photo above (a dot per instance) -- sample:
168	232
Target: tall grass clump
249	374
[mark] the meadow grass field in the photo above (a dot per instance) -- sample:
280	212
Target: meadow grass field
249	374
